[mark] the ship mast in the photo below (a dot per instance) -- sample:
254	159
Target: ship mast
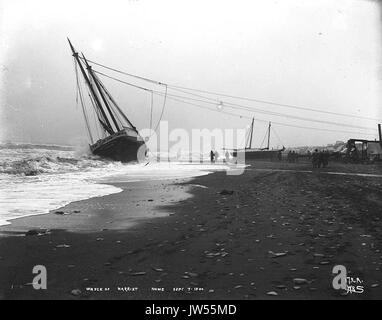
106	123
269	134
116	105
250	141
95	80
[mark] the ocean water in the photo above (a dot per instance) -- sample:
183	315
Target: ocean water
35	179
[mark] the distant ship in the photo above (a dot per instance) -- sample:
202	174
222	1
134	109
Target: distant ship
118	139
258	153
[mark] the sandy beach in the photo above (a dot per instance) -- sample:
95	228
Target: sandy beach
274	232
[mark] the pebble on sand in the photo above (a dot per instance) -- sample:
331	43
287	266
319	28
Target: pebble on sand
226	192
63	246
277	254
76	292
300	281
138	273
191	274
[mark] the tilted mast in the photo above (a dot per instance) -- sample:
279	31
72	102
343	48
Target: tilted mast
269	134
106	125
250	141
95	80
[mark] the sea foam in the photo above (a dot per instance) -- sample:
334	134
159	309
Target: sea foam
37	180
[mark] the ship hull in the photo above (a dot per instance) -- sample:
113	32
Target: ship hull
120	147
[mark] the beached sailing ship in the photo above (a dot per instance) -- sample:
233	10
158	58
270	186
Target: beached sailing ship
258	153
120	139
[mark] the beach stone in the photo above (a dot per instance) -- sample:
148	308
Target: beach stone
318	255
277	254
300	281
281	286
32	233
76	292
138	273
192	274
226	192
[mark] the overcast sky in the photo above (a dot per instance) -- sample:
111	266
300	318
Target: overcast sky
320	54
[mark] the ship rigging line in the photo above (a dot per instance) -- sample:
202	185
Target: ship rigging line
176	87
151	109
238	106
262	142
232	106
142	88
163	107
277	136
80	95
262	120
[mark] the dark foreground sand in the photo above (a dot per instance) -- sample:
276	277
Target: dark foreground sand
275	227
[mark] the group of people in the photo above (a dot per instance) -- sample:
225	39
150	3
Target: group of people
214	156
320	158
292	156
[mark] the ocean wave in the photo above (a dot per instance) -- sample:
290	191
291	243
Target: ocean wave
36	181
37	164
13	145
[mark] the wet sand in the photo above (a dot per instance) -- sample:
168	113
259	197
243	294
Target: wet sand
267	229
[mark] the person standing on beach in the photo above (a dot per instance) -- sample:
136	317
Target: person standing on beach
315	159
325	158
212	155
227	156
321	159
216	156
